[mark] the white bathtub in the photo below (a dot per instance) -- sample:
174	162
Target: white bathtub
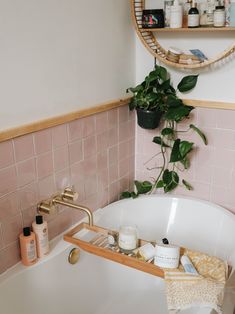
97	286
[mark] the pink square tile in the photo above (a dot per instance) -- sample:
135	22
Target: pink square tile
44	165
114	192
205	156
225	119
61	158
9	256
88	126
102	141
1	241
102	197
90	184
123	167
219	195
123	150
62	179
203	174
123	114
124	131
92	202
75	130
90	146
43	141
223	157
28	215
59	135
8	206
124	183
101	122
61	223
113	173
6	154
223	138
102	160
221	177
78	183
24	147
103	178
28	196
113	137
8	182
85	168
46	187
75	152
112	118
113	155
11	228
26	172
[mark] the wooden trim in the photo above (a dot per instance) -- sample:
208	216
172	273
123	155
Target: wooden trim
57	120
209	104
54	121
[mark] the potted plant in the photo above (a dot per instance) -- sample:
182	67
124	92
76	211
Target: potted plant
157	93
155	96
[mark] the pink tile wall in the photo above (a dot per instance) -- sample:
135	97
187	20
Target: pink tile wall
95	154
212	171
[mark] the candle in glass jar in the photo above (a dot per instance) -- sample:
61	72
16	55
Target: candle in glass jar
127	240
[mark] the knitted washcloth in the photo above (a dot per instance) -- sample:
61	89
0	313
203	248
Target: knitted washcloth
206	290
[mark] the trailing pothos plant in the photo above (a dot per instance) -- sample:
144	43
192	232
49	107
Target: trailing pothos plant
156	91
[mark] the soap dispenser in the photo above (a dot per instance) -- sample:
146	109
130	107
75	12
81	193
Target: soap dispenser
28	247
40	229
176	18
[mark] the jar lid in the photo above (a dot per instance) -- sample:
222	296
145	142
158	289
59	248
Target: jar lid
220	7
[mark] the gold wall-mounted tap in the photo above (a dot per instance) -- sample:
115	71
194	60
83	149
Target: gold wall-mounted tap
66	198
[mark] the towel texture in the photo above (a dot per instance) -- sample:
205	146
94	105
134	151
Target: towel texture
206	290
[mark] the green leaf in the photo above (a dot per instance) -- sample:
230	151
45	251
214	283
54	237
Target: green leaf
125	194
162	73
173	101
143	187
158	140
175	153
134	195
170	179
178	113
185	162
135	89
167	131
160	184
184	148
187	83
200	133
165	85
187	185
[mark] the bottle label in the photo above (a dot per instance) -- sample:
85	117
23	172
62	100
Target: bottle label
31	251
193	20
43	243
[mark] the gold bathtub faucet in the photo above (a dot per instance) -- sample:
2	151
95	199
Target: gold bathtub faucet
66	198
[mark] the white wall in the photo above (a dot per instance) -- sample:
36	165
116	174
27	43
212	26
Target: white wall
57	56
216	82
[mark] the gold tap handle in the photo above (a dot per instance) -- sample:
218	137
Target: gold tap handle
69	194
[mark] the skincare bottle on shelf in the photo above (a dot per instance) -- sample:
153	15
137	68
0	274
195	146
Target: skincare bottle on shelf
28	247
186	8
40	229
227	4
193	16
176	19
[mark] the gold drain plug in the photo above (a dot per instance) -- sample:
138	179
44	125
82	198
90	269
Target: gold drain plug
74	256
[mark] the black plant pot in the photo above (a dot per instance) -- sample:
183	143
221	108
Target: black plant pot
148	119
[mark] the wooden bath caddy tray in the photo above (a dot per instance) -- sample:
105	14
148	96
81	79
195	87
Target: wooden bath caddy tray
98	245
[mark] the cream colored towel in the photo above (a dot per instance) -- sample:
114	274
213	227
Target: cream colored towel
206	290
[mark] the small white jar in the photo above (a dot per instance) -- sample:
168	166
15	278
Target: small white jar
176	15
219	16
127	238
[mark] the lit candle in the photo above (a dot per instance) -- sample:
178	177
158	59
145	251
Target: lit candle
127	240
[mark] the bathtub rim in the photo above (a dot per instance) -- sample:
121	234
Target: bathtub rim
58	245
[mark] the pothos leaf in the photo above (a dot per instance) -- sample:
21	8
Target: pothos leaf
125	194
167	131
143	187
160	184
187	83
187	185
158	140
200	133
170	179
185	147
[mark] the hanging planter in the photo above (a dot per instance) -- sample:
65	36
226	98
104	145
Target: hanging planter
148	119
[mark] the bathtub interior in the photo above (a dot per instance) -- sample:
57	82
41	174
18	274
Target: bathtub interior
191	223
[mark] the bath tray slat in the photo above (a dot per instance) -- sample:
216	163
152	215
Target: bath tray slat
107	253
